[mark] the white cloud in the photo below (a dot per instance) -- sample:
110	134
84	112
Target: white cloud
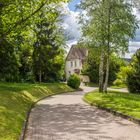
134	44
69	44
137	13
70	25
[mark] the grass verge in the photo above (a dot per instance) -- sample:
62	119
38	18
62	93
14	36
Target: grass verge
118	87
16	99
126	103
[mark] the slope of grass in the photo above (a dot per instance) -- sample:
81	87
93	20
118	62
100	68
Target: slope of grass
126	103
15	100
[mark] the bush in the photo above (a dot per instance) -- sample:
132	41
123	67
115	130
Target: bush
117	82
74	81
133	83
122	74
133	77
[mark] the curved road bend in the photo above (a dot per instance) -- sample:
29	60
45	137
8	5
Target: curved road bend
67	117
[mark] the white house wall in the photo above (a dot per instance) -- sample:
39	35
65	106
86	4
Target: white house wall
70	69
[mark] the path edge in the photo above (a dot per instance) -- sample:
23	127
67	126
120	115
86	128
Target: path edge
114	112
25	124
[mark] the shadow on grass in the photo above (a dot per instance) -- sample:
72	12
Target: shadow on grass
126	103
15	100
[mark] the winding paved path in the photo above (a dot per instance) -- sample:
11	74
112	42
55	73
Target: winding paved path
67	117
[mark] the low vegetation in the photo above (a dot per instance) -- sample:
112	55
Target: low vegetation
15	100
74	81
125	103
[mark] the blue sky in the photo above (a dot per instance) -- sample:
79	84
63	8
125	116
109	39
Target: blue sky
72	4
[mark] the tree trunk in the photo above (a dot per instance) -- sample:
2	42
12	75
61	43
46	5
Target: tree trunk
106	74
101	71
40	76
108	50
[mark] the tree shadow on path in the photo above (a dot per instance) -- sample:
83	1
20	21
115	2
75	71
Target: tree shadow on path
78	122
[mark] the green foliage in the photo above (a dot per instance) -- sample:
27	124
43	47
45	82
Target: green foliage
8	61
47	52
74	81
115	64
23	25
133	76
117	82
116	26
25	69
122	74
109	26
125	103
16	100
91	66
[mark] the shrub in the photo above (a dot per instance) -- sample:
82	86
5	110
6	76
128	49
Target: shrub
122	74
117	82
133	77
133	82
74	81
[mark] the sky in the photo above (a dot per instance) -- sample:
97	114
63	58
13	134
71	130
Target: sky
72	27
72	4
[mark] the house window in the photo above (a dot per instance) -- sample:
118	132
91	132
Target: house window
71	64
80	62
75	64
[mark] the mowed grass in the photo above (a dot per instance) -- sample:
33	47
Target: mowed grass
16	99
118	87
126	103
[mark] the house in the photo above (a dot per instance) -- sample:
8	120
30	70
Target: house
74	62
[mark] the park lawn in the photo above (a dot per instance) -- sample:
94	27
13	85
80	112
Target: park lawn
16	99
118	87
126	103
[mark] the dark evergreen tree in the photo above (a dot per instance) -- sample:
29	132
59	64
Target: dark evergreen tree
26	68
133	77
47	48
8	62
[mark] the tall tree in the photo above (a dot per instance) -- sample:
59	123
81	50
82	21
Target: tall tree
109	26
18	20
47	46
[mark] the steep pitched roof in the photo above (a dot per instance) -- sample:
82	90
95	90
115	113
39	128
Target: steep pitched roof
76	53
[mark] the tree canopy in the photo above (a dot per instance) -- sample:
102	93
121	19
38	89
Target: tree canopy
108	25
30	28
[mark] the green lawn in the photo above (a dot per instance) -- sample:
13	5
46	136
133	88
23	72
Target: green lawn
125	103
118	87
15	100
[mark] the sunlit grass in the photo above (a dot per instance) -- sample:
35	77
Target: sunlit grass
118	87
15	100
125	103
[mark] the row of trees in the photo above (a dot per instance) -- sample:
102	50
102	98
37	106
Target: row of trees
31	40
107	25
91	66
